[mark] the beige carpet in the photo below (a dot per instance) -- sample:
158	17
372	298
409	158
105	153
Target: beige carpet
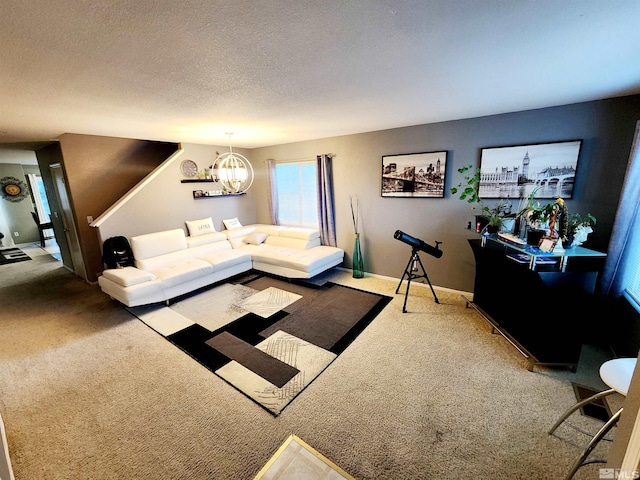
87	391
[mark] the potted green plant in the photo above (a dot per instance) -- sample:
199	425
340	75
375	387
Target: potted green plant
577	229
539	215
532	217
468	188
496	215
491	218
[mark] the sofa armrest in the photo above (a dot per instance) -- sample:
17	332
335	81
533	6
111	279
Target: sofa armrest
128	276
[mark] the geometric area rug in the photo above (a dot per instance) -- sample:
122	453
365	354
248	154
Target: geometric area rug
269	338
12	255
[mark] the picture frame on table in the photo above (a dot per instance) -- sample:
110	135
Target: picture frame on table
548	169
414	175
547	244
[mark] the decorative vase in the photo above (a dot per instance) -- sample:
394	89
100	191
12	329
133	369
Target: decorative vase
568	243
358	263
580	235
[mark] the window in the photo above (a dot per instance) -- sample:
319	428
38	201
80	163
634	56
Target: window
297	194
631	273
39	197
633	288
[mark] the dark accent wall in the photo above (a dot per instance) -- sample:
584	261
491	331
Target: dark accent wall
606	126
100	170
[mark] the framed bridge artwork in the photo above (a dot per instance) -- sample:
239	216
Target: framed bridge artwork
549	169
416	175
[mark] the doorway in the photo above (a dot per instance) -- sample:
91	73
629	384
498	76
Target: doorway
73	261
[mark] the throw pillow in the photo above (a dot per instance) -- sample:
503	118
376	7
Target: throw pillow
200	227
255	238
231	223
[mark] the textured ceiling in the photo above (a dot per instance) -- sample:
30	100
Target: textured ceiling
276	72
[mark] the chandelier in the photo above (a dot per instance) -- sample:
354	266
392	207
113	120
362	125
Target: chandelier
235	172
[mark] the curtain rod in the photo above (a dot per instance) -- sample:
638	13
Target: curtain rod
298	160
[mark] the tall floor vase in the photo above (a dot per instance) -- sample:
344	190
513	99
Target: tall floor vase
358	263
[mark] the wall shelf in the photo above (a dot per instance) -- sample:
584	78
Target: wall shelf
217	196
198	180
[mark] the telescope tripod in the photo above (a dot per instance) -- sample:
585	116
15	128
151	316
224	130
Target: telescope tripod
410	272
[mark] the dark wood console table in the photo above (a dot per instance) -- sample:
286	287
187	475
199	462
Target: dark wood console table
540	308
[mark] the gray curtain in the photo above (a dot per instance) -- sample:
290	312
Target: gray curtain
272	191
326	215
625	237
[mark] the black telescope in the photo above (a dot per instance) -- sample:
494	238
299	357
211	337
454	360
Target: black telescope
418	244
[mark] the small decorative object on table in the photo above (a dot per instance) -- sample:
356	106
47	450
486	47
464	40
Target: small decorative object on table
358	262
578	228
547	244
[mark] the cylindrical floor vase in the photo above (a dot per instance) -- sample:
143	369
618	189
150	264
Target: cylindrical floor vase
358	263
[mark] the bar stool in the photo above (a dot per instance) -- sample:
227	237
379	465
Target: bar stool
617	375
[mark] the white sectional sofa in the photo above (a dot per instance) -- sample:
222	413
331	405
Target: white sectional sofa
169	263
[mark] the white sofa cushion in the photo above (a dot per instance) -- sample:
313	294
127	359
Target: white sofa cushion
200	227
153	263
300	233
206	239
128	276
228	258
240	232
269	229
208	248
158	243
184	271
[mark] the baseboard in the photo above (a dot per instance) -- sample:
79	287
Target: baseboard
397	280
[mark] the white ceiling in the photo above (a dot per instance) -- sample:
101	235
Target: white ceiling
276	72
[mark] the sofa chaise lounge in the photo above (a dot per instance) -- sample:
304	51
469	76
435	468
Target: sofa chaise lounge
170	263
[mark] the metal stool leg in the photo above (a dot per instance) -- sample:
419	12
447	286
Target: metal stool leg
594	441
578	405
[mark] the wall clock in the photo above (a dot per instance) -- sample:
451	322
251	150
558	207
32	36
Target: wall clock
189	168
13	189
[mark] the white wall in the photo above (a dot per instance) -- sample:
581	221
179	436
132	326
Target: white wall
165	203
